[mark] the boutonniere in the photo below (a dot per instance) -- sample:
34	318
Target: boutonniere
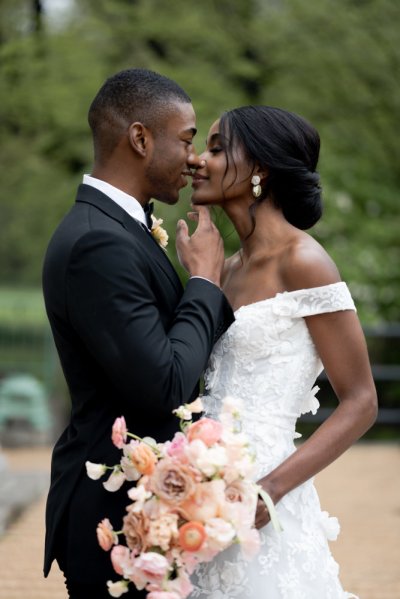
158	232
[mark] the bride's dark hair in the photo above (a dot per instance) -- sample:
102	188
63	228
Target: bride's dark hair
288	147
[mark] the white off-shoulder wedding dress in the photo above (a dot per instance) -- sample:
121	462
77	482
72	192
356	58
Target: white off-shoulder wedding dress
268	359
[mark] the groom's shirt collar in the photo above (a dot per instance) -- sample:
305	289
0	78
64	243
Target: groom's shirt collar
124	200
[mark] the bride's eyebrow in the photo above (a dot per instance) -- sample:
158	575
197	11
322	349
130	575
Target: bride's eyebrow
214	137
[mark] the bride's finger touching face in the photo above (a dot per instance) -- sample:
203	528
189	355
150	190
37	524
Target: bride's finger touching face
226	173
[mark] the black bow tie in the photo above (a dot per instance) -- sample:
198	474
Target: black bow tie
148	211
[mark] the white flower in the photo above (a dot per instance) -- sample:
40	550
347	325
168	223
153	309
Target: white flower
183	413
231	405
115	481
196	406
159	234
140	496
116	589
220	533
310	402
95	471
330	526
212	460
129	469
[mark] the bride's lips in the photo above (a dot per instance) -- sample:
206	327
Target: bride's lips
198	179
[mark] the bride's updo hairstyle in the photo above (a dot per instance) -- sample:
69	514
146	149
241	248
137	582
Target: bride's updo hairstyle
288	147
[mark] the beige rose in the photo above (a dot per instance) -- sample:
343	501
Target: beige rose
135	529
172	482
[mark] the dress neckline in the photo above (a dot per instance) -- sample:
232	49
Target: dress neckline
285	293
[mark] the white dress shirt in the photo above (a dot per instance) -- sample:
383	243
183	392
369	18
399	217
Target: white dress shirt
124	200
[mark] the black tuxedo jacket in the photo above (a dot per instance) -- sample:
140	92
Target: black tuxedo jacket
131	342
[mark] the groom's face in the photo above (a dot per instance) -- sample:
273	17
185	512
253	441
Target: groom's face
173	153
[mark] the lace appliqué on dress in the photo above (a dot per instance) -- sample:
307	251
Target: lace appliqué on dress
267	358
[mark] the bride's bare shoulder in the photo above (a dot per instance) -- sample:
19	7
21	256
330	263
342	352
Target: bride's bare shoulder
306	264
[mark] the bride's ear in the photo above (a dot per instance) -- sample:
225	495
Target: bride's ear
263	173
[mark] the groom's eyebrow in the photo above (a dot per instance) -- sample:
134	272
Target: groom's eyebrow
192	130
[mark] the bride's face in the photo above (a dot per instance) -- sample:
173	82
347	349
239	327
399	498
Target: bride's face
222	179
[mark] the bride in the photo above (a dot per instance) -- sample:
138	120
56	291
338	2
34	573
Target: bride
293	315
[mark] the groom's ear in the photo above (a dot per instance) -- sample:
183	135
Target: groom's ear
139	138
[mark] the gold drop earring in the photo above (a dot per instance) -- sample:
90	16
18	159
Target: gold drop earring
255	181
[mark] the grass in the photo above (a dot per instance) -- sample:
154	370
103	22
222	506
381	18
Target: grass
22	307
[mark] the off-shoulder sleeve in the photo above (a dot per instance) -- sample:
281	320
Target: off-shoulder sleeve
317	300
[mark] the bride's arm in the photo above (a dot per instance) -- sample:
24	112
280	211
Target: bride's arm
341	345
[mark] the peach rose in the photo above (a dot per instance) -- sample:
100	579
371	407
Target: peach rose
207	502
207	430
119	432
106	536
172	481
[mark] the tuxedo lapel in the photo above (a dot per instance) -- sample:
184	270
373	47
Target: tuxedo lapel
90	195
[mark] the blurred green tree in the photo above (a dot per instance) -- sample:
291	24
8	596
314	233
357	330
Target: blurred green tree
335	62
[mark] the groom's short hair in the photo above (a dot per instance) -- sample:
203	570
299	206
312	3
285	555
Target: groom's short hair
128	96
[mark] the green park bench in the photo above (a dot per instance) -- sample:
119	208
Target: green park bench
23	399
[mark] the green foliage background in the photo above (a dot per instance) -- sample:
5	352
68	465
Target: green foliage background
336	62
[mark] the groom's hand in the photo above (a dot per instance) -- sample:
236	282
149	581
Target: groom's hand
201	254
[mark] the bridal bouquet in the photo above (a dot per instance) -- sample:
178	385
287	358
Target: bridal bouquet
194	497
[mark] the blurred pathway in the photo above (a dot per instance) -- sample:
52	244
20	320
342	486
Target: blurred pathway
362	489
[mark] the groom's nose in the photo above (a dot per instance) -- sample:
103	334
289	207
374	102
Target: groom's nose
194	159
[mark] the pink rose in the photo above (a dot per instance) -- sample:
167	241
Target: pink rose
106	536
153	566
119	432
176	448
120	558
207	430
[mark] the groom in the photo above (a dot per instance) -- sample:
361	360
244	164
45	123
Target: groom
131	341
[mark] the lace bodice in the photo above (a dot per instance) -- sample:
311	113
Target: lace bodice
268	359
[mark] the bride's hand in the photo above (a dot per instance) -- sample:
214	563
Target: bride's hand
262	514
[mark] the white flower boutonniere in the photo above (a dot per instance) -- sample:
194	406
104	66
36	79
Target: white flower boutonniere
159	234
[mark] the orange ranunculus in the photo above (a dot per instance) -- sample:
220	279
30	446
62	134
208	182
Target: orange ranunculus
143	458
192	536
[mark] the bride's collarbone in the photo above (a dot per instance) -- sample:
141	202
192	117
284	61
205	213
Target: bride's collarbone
244	290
